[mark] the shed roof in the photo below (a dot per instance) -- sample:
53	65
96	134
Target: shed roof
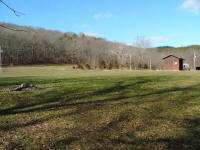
172	56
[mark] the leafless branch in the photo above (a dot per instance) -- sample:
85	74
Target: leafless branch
17	13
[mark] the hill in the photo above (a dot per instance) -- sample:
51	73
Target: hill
41	46
181	49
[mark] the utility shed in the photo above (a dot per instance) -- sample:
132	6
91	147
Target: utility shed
172	62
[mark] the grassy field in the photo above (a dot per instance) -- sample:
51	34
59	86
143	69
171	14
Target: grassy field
99	109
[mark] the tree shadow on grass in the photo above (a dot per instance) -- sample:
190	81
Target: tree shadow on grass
40	120
191	140
191	126
81	106
55	99
64	143
94	136
11	81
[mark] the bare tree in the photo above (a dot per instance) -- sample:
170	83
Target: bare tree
143	44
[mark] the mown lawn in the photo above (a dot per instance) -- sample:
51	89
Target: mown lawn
99	109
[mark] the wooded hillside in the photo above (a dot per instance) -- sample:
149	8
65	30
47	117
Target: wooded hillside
41	46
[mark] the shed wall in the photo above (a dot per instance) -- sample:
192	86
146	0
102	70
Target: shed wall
172	63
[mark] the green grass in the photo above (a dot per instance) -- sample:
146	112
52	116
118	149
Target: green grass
99	109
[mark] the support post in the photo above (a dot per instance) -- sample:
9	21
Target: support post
130	56
1	51
150	64
194	60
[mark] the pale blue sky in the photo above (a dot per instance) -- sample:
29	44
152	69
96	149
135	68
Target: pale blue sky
164	22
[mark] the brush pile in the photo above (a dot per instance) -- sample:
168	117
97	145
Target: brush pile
26	87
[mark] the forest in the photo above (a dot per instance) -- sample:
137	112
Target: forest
30	46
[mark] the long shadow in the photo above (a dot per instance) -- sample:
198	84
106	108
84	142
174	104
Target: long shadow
57	102
191	140
119	87
10	81
113	124
54	103
64	143
13	126
98	134
173	89
49	97
167	143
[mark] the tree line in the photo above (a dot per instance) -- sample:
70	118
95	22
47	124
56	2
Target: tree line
41	46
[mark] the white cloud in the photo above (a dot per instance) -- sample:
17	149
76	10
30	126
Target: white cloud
102	15
191	6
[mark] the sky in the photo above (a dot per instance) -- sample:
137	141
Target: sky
162	22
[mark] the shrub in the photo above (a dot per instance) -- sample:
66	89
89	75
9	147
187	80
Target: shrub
87	66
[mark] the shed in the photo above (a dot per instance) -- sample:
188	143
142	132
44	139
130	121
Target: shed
172	62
